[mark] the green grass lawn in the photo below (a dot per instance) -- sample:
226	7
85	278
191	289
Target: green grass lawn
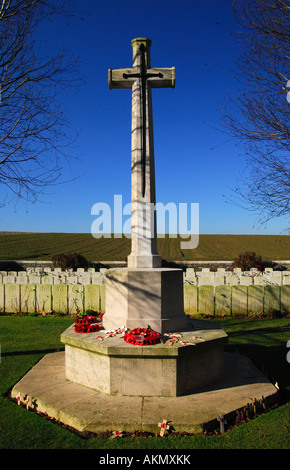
25	340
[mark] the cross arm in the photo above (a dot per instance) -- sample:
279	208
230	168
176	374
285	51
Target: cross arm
124	78
166	77
117	80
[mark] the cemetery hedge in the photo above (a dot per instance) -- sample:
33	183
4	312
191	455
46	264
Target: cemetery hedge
42	246
263	340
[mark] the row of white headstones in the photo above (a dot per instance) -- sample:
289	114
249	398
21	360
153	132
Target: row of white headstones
199	278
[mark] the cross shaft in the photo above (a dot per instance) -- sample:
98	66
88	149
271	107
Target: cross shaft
141	78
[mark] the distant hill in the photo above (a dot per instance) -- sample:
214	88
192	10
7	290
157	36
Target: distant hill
41	246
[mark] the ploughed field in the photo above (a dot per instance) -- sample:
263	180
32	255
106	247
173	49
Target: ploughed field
41	246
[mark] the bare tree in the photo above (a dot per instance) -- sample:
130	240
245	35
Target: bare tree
33	129
258	115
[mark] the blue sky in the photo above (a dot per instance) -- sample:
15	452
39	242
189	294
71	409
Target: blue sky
195	162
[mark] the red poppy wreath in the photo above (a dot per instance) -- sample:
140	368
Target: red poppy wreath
142	336
86	324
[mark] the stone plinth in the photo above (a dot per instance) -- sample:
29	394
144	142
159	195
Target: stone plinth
115	367
47	390
142	297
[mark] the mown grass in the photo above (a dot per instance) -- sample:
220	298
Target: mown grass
41	246
24	340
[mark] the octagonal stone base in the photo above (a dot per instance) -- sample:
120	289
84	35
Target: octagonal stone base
112	366
48	392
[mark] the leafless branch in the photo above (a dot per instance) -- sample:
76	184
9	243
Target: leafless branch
33	129
258	115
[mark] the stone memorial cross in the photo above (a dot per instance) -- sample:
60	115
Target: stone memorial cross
141	78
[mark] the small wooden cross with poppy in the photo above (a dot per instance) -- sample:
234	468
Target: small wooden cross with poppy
222	421
117	434
164	427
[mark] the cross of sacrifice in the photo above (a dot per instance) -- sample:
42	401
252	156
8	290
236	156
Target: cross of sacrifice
141	78
164	427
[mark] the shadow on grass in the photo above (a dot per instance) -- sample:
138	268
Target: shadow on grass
28	353
271	360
